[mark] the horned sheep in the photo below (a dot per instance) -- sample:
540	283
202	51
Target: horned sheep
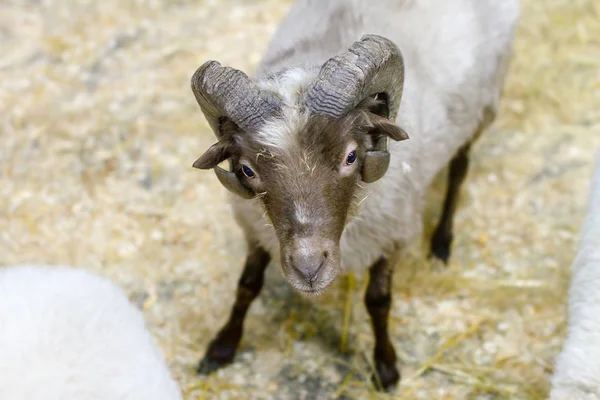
318	185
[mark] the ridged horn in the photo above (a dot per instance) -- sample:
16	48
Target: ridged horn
371	65
228	92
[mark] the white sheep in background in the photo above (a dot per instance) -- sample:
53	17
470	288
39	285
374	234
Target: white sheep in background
577	371
67	334
319	187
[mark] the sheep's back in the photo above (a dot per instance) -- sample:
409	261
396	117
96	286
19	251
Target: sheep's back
68	334
577	370
455	56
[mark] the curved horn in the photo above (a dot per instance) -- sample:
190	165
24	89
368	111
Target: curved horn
370	66
225	91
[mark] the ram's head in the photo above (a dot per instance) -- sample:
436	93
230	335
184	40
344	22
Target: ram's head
304	157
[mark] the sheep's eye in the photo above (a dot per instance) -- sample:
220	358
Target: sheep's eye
247	171
351	157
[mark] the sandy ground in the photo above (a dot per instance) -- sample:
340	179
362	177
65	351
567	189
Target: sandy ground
97	136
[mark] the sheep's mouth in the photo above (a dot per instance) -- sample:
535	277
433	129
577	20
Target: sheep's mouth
315	289
311	292
310	264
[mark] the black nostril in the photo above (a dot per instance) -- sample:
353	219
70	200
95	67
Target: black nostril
325	254
313	277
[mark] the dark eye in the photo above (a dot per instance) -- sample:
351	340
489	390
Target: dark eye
351	158
248	171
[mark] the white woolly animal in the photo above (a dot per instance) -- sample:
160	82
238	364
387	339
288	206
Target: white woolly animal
577	371
67	334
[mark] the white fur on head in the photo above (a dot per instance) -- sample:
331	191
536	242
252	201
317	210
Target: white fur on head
289	84
68	334
577	371
278	133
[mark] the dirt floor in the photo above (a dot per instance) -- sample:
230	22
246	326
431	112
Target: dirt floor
98	132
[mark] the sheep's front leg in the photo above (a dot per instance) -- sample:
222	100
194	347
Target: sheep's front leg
442	238
221	350
378	299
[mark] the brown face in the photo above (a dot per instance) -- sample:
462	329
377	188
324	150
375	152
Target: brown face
308	181
307	189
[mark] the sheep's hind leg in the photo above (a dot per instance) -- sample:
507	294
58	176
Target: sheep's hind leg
378	299
221	350
442	238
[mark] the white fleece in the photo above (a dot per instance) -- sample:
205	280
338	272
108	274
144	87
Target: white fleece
577	370
67	334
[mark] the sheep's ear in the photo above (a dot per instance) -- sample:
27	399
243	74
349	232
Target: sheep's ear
381	126
221	150
377	158
216	154
377	111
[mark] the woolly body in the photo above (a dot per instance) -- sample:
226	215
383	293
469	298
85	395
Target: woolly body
577	371
455	55
68	334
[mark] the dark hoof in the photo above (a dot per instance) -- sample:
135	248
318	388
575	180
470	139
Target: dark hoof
218	355
208	365
387	377
440	247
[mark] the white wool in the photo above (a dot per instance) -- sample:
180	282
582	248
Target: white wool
68	334
279	134
577	370
288	84
455	54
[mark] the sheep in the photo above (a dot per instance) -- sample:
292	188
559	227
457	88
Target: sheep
315	182
577	370
66	333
